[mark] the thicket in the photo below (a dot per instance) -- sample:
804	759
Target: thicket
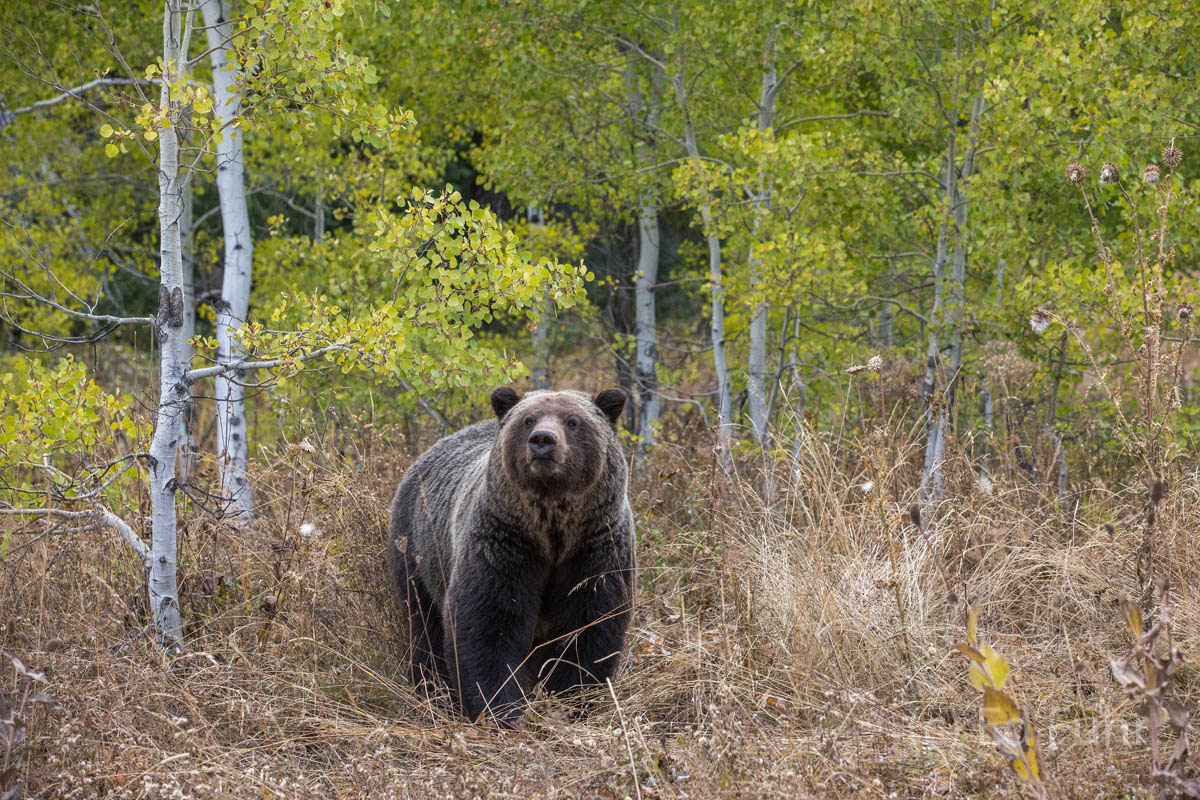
902	296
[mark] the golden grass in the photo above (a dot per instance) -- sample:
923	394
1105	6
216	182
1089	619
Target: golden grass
766	658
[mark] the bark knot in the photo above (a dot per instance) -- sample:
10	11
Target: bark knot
170	307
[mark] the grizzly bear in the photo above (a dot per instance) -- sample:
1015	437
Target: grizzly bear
512	551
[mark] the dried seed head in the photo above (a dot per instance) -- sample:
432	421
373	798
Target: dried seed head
854	370
914	514
1109	529
1076	172
875	364
1040	320
1150	174
1109	173
1185	311
1157	490
1172	156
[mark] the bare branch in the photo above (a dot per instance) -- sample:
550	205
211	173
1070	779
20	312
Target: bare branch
31	294
862	112
76	93
100	514
245	366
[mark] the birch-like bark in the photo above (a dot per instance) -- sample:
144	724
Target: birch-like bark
989	404
1052	432
647	111
800	404
715	277
958	264
932	479
187	446
232	445
541	333
646	359
319	214
757	360
940	398
172	392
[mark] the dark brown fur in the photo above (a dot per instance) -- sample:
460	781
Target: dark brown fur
517	565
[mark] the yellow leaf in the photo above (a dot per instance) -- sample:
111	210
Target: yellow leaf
106	130
973	624
998	707
1032	751
970	652
995	665
111	150
978	678
150	135
203	105
1133	616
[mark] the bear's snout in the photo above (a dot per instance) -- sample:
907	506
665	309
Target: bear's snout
542	443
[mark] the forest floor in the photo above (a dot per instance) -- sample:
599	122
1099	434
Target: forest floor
767	657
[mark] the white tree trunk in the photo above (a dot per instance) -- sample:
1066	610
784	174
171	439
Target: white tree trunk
941	404
232	445
172	388
800	404
720	365
187	446
756	384
541	334
647	113
319	214
541	345
646	326
932	478
989	406
716	282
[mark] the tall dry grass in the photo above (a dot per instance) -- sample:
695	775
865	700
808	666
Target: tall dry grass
766	658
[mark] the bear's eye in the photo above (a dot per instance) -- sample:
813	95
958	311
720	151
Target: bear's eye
529	422
572	423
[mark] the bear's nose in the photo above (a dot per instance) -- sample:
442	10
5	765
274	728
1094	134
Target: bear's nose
542	442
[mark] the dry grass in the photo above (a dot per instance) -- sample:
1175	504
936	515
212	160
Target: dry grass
766	658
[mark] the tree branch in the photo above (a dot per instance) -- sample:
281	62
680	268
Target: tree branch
101	514
244	366
862	112
76	93
30	294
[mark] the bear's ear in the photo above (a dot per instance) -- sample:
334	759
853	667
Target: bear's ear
612	403
504	399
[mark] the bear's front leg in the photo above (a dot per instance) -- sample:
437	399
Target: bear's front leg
589	604
489	619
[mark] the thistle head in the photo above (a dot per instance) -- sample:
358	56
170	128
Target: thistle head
1172	156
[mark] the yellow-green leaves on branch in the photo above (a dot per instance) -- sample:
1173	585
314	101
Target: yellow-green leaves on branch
56	420
989	672
414	289
294	55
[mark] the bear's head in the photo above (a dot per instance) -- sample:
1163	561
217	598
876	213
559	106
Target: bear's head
557	443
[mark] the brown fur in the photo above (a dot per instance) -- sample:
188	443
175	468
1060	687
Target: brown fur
513	549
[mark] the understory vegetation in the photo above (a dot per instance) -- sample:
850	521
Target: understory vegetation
901	296
766	657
